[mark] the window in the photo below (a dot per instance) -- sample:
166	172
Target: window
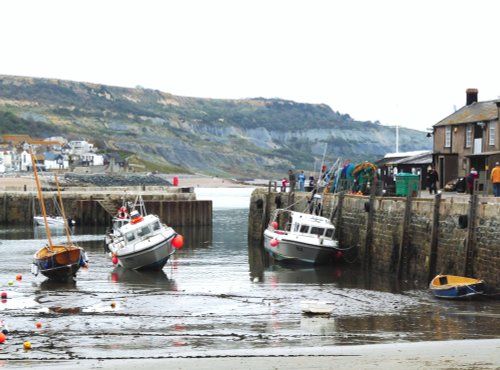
156	226
468	136
447	137
492	133
329	233
317	231
304	229
130	236
143	231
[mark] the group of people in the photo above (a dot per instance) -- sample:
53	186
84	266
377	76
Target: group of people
433	178
294	180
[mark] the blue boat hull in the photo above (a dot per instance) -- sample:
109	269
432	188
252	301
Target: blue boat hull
461	291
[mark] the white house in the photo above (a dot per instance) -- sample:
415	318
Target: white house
55	161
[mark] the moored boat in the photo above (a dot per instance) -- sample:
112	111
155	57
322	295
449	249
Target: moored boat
304	237
452	287
53	221
56	262
139	241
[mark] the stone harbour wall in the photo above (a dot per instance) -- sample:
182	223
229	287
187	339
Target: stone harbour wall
415	238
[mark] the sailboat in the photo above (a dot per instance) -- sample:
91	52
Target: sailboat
57	262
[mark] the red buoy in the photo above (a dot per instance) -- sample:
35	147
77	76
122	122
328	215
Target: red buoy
4	295
176	181
114	259
178	241
274	242
274	224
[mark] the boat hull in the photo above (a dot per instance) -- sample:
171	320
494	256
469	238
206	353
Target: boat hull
298	251
148	255
59	264
456	287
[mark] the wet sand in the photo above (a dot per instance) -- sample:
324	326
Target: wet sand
466	354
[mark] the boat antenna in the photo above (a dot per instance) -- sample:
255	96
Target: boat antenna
40	197
61	206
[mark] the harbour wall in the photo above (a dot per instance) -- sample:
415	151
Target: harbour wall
96	206
414	238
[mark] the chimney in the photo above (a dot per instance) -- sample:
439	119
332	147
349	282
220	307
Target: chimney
471	96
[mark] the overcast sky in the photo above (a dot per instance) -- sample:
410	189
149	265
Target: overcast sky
399	62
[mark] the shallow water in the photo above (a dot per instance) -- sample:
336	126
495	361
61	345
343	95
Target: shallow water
217	293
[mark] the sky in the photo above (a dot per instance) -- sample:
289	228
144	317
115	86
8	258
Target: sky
399	62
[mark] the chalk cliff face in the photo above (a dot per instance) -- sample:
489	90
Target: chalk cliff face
240	138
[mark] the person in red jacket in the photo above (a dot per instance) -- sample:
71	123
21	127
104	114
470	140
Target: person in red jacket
470	180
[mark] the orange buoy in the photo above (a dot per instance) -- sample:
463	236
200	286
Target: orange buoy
178	241
3	337
27	345
113	304
38	324
19	277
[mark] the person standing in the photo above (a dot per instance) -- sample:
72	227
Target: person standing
495	179
302	181
432	179
292	180
470	180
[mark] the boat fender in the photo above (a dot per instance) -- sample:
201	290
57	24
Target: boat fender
462	221
136	220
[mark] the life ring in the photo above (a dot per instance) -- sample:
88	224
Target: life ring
123	213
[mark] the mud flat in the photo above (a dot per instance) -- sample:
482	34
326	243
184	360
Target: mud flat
465	354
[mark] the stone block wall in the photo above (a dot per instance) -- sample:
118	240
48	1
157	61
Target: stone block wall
387	232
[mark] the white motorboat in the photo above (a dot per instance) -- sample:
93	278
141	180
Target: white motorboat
302	237
141	242
52	221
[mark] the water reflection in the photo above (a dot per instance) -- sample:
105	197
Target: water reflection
157	279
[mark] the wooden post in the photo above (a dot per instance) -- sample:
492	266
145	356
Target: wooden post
470	241
434	237
403	245
338	221
367	260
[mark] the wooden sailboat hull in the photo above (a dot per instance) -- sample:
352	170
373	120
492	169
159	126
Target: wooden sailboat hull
60	263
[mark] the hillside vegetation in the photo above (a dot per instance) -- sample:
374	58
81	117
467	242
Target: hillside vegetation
237	138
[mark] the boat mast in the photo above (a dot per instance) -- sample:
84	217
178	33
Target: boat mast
40	197
61	205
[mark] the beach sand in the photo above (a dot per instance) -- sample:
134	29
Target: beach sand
464	354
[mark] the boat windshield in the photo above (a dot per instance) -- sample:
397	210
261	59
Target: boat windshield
156	226
317	231
130	236
143	231
329	233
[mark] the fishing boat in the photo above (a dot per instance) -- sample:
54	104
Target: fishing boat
303	237
451	286
57	262
140	241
